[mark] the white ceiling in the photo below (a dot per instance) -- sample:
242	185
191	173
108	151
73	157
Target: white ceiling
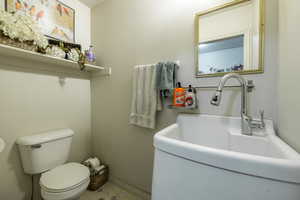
91	3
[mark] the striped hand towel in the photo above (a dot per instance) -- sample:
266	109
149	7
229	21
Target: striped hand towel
145	101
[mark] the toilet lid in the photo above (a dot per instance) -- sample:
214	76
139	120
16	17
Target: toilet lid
65	177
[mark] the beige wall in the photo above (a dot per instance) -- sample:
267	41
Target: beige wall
289	70
33	100
132	32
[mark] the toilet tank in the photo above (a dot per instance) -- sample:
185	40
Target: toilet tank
45	151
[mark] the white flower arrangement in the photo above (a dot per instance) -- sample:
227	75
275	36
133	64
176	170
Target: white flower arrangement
73	54
22	28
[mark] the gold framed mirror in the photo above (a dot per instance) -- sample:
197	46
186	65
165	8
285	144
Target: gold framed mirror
230	38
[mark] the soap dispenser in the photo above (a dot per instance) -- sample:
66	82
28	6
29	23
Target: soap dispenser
190	98
179	96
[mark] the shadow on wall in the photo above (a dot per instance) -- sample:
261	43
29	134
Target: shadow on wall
26	66
15	165
230	104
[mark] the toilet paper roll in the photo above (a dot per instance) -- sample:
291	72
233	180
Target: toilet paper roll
99	168
102	172
94	162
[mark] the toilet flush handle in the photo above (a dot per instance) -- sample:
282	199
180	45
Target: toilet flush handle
36	146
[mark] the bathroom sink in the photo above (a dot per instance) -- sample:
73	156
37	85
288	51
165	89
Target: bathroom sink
2	145
209	152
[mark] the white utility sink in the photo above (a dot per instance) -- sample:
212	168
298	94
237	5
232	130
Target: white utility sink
2	145
207	157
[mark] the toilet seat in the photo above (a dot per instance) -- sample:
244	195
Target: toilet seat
67	195
70	176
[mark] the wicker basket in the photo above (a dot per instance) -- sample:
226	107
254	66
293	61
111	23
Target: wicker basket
28	45
98	180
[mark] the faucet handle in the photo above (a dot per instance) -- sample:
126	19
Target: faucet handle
250	85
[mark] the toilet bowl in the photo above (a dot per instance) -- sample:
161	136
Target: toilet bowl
65	182
46	154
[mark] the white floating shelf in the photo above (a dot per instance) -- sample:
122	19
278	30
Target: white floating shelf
14	52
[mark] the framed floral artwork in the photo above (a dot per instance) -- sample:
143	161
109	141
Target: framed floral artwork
55	19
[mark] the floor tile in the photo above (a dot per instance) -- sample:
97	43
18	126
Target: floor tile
109	191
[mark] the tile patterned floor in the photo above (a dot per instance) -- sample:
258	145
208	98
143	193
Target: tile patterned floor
109	191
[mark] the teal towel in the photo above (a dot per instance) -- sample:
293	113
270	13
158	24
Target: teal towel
166	74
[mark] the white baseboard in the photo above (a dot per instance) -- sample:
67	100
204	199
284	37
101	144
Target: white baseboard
130	188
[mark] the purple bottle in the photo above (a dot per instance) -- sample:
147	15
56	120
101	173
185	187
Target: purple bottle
90	56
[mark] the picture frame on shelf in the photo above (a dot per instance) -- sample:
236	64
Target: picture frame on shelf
65	44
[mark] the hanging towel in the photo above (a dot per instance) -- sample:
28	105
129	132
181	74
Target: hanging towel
166	77
145	101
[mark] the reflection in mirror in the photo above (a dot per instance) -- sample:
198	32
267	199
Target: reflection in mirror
229	38
226	55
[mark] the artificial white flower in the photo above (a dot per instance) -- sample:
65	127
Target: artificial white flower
21	27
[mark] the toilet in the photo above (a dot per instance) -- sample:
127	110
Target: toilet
46	154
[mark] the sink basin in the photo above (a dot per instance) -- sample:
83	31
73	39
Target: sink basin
2	145
202	154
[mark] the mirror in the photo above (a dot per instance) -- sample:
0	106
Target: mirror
229	38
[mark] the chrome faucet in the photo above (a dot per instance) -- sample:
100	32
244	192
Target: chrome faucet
247	123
